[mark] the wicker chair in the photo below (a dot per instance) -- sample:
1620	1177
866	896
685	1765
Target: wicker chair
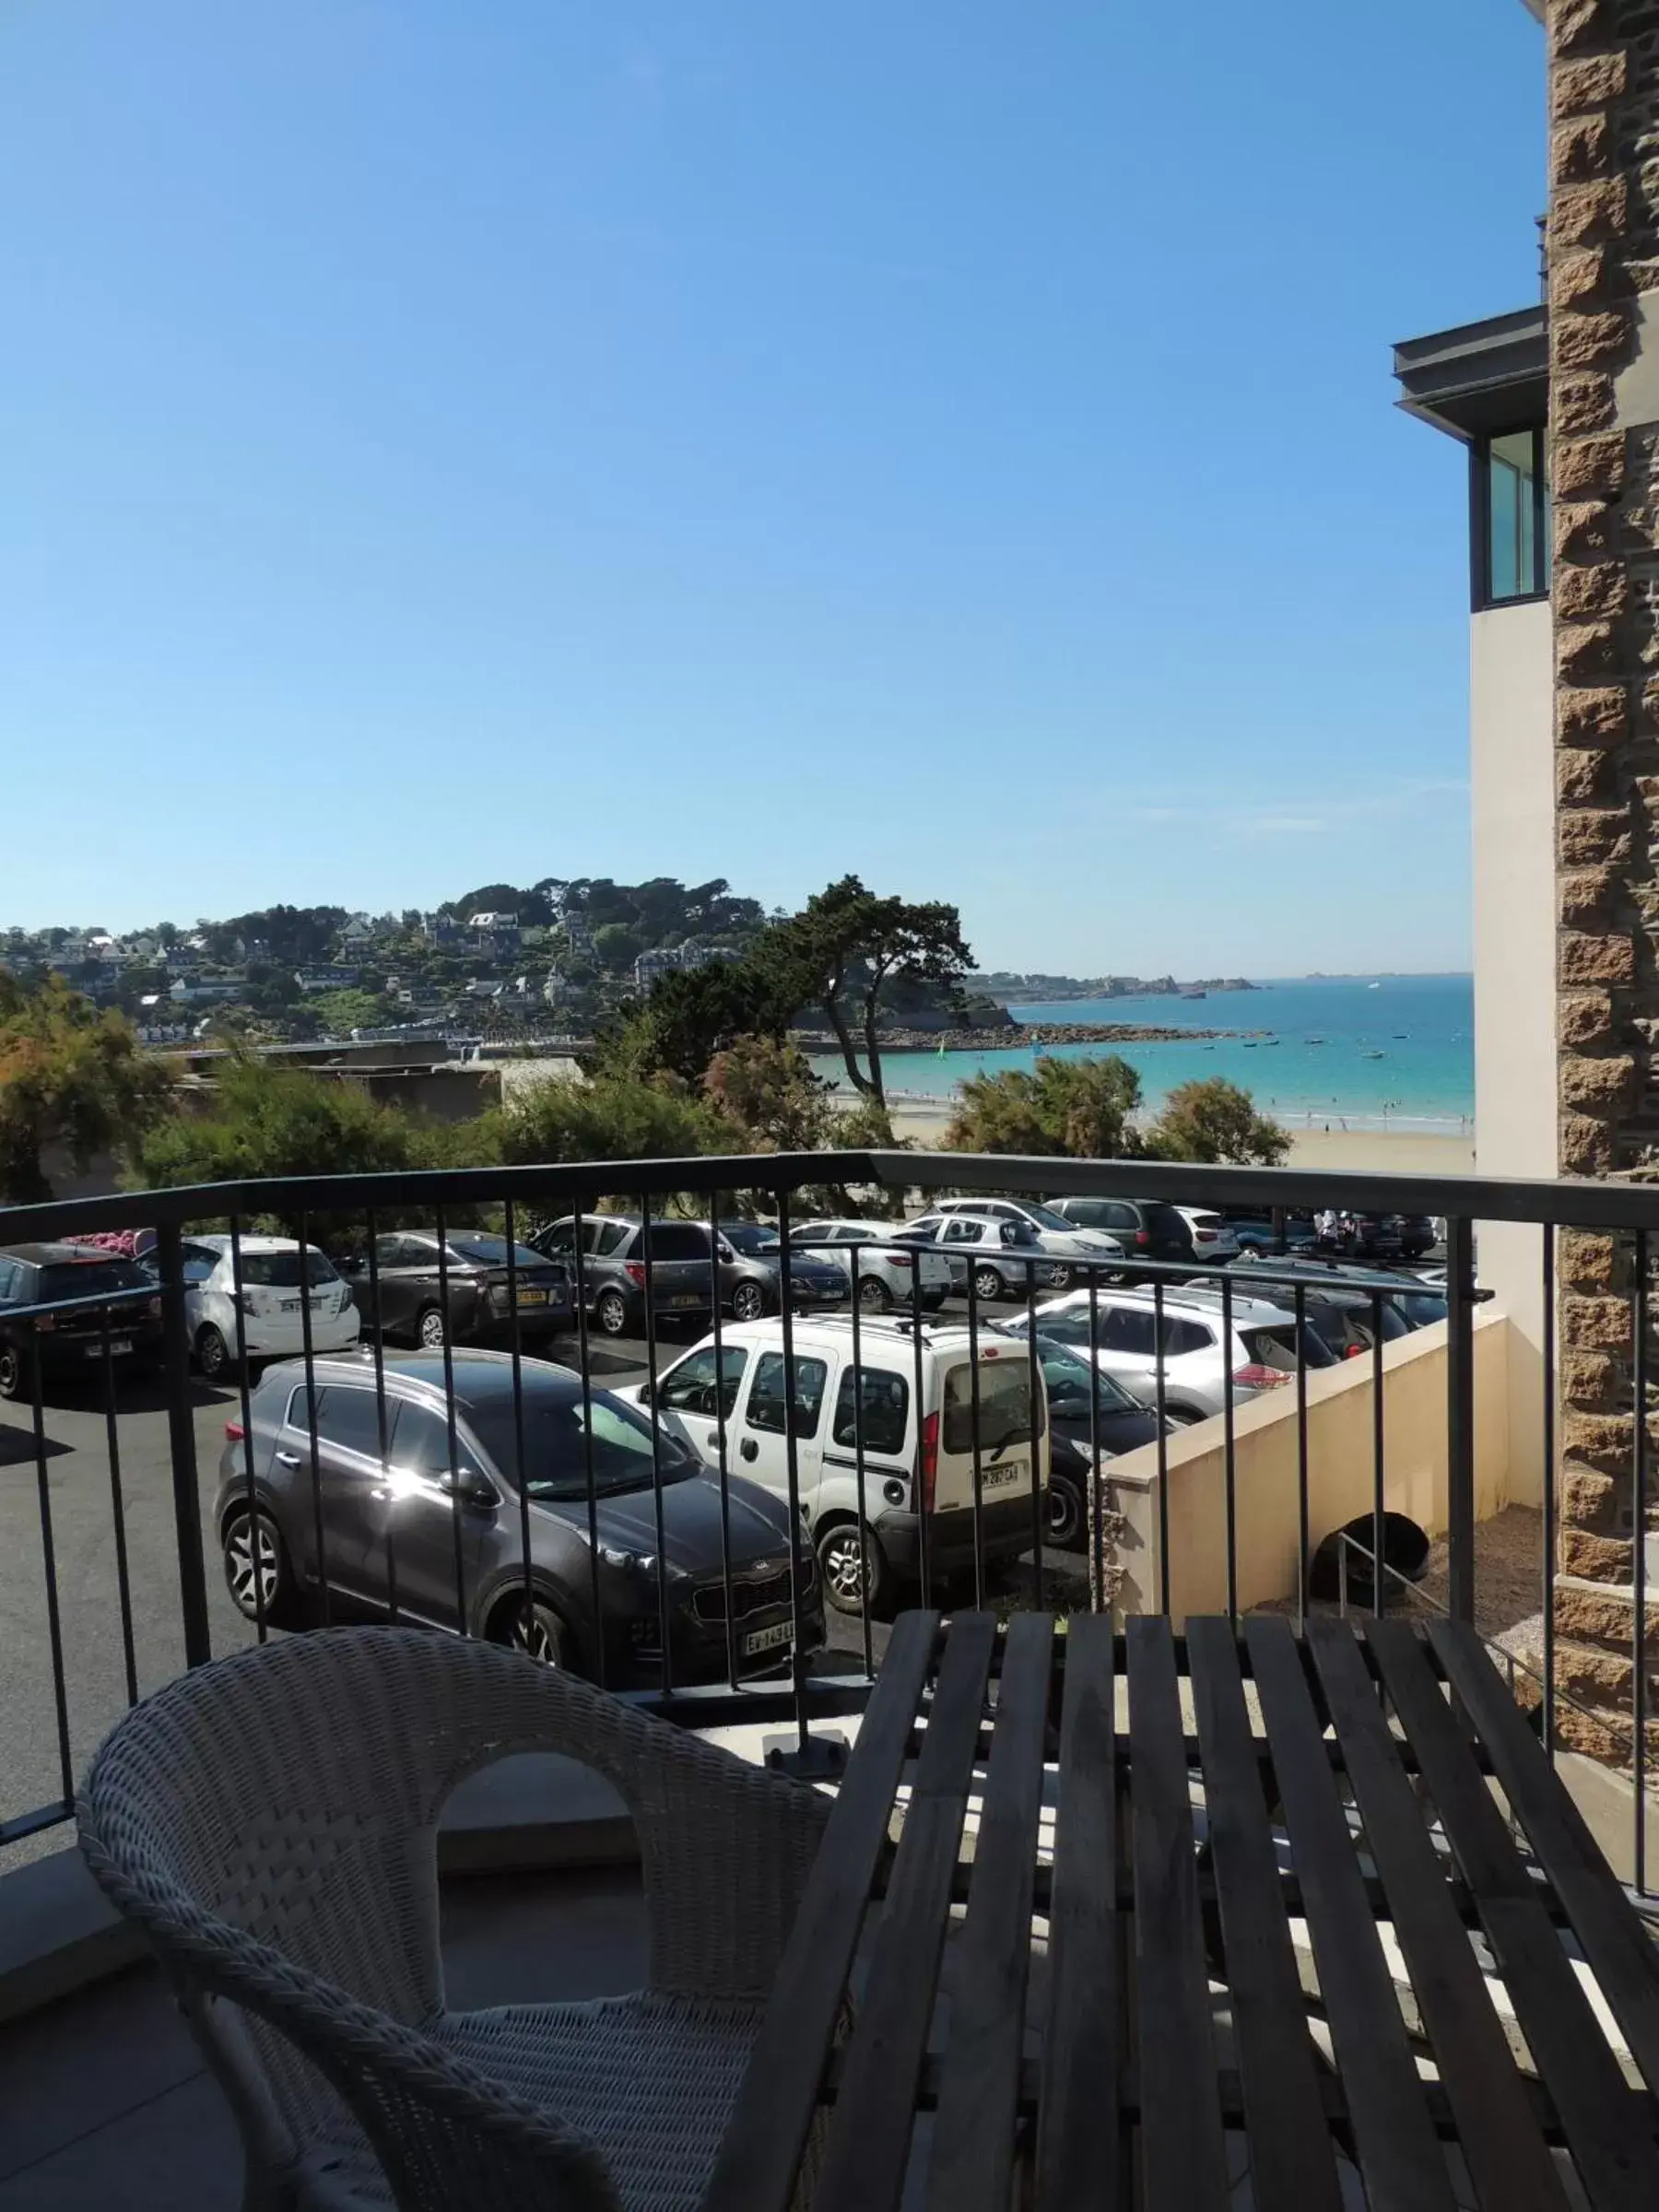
270	1822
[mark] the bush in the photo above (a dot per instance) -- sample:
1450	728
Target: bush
1216	1120
1061	1109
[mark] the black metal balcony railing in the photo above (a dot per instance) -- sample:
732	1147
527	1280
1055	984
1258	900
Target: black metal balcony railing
649	1643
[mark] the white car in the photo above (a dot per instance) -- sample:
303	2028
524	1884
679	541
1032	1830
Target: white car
888	1275
1212	1232
1059	1238
273	1322
918	1462
997	1258
1202	1368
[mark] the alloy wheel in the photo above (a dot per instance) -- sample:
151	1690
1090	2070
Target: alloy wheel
749	1303
538	1631
872	1294
1065	1516
239	1550
432	1330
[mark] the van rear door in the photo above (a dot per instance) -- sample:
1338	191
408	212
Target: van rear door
1013	1445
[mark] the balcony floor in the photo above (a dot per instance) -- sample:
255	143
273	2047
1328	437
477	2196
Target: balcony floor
104	2099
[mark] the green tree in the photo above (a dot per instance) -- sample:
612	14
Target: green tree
614	1117
617	948
1061	1109
70	1075
841	952
693	1014
769	1092
263	1120
1214	1120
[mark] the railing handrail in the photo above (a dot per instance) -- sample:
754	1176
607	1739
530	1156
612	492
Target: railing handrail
1561	1203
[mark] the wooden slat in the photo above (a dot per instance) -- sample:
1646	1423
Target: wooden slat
756	2168
1611	2142
1508	2158
1399	2155
1183	2159
1625	1963
1077	2154
1292	2160
869	2139
972	2156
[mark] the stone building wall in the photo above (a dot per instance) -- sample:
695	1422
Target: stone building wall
1604	323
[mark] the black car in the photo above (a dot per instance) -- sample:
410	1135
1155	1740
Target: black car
1340	1305
390	1522
750	1257
613	1268
1121	1422
464	1291
73	1341
1147	1228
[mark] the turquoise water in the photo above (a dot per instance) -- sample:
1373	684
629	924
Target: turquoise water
1421	1025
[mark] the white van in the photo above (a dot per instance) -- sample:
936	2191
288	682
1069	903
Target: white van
911	1465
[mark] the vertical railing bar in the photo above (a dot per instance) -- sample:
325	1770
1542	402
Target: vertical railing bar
123	1590
1227	1447
867	1542
180	1440
792	1460
456	1531
325	1605
260	1627
978	1470
54	1627
1160	1398
1639	1565
1460	1417
584	1350
510	1226
1303	1533
665	1662
919	1497
1040	1433
719	1433
1093	1499
1379	1480
372	1233
1549	1489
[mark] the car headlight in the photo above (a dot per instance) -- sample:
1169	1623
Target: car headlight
624	1562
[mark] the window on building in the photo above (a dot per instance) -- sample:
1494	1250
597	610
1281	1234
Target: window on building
1511	518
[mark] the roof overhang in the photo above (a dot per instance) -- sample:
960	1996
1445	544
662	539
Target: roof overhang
1481	377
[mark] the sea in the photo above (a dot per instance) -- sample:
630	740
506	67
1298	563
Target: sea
1352	1051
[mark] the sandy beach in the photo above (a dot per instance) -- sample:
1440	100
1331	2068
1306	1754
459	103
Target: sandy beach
1372	1151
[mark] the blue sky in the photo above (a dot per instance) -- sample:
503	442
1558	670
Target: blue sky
949	442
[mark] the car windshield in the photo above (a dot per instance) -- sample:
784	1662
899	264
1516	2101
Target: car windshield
1066	1376
750	1237
556	1441
280	1270
90	1279
492	1252
1044	1217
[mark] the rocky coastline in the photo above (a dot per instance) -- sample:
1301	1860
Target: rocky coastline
1024	1033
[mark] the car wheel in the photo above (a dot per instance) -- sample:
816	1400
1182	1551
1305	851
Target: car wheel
749	1303
536	1631
1066	1516
611	1312
283	1607
16	1371
1060	1275
214	1355
846	1573
430	1331
987	1284
874	1295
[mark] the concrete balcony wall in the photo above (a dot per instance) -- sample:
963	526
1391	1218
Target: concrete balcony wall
1339	1471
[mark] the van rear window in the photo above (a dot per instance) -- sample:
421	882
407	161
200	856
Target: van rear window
1277	1347
1004	1405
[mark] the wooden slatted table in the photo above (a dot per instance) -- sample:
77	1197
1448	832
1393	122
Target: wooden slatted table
1071	1884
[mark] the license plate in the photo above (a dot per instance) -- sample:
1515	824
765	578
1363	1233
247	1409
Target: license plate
687	1298
532	1298
117	1344
290	1305
767	1640
1005	1472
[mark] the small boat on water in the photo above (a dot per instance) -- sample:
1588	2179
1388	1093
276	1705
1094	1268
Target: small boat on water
1313	1040
1272	1040
1373	1056
1402	1036
1251	1043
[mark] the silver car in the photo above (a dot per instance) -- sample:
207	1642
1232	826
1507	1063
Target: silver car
888	1275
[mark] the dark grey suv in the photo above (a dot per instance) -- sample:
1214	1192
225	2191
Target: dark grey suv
391	1523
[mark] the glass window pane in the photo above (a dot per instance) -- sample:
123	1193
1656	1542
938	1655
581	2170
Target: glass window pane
1515	564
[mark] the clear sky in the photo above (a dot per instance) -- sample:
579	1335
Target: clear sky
944	439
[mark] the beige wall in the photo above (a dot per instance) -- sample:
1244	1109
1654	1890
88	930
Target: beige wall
1339	1472
1511	742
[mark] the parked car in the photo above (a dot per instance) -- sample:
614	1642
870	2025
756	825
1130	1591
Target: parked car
996	1255
887	1276
1415	1302
1145	1229
1062	1240
398	1513
918	1459
73	1342
613	1268
1121	1422
1256	1234
1420	1233
751	1263
274	1277
463	1291
1212	1232
1202	1366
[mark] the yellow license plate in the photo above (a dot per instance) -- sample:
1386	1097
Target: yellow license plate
532	1298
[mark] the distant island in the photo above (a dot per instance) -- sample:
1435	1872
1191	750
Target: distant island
1005	985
